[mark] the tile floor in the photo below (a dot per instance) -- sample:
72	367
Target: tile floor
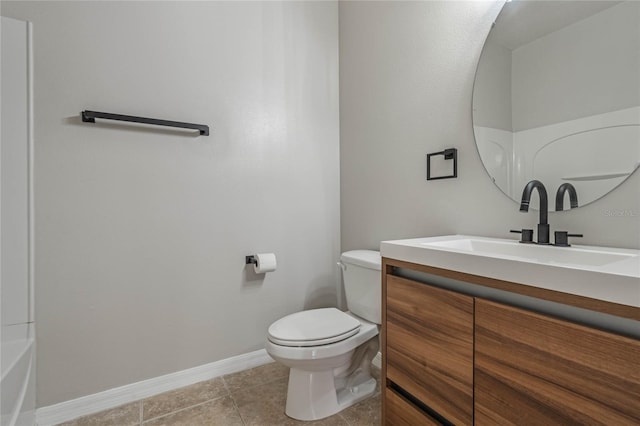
254	397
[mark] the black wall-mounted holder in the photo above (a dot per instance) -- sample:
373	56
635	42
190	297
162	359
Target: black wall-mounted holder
90	117
251	260
449	154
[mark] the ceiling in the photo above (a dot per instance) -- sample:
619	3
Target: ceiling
522	21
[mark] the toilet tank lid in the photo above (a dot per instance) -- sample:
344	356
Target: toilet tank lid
365	258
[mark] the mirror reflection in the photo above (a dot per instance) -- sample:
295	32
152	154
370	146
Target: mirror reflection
557	97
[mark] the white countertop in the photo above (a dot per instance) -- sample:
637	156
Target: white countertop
603	273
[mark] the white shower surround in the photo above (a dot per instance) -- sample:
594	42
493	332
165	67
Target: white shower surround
17	334
601	145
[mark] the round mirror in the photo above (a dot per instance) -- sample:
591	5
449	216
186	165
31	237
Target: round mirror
557	97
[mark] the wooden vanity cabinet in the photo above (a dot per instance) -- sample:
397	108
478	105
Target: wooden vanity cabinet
452	358
429	347
538	370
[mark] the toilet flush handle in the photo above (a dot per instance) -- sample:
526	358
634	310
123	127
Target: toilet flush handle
342	265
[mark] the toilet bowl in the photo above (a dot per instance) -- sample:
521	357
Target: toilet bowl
329	352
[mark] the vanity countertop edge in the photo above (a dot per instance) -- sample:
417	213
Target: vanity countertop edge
609	293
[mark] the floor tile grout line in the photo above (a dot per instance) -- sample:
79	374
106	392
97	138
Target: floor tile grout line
244	388
185	408
225	384
235	405
344	419
233	400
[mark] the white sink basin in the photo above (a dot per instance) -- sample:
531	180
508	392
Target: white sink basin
610	274
570	256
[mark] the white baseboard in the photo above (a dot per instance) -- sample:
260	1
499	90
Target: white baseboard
69	410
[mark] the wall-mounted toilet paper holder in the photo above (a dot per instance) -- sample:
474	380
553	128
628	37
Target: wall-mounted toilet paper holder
262	262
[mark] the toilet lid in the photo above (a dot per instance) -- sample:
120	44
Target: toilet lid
313	328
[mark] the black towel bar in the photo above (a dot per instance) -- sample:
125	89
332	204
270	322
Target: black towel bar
90	117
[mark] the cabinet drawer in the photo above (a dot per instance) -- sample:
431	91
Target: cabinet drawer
400	412
429	346
532	369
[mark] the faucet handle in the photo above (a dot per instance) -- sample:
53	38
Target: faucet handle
527	235
562	238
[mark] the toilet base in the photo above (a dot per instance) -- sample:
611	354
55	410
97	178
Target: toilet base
322	400
314	395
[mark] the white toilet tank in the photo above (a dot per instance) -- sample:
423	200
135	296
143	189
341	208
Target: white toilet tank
362	283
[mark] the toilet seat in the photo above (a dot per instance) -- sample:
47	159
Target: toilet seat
314	327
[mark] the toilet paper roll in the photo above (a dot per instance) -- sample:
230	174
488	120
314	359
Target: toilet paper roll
265	262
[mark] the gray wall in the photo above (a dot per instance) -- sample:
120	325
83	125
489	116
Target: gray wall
406	77
140	234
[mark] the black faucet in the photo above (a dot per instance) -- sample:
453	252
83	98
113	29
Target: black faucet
573	196
543	226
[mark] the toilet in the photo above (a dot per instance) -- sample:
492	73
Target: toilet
329	352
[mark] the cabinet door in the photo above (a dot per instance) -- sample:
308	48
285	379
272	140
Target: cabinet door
429	353
531	369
